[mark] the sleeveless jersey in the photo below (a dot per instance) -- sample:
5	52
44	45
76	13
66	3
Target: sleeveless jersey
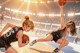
10	36
59	33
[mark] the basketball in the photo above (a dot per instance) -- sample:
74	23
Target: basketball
25	38
62	2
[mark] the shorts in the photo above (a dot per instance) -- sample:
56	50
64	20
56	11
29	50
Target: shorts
3	44
56	36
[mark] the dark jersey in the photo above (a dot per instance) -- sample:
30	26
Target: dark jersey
10	36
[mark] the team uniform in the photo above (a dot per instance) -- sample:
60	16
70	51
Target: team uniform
9	37
58	34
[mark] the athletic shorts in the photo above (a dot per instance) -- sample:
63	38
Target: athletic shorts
56	36
3	44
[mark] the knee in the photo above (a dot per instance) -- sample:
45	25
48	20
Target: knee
66	42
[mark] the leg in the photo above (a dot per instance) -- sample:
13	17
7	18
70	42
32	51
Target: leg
49	37
62	43
11	50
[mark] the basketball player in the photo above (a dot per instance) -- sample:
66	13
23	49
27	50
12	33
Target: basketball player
60	35
15	34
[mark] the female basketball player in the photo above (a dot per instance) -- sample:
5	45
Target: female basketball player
15	34
60	35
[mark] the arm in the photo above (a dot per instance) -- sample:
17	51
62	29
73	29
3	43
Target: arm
62	17
6	27
20	34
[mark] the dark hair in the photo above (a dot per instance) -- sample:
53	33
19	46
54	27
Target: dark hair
28	23
71	24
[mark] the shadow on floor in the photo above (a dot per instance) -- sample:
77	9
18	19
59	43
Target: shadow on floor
40	51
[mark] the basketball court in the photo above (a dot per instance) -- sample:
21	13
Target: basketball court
45	15
37	48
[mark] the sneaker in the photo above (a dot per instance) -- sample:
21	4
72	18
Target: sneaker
56	50
32	43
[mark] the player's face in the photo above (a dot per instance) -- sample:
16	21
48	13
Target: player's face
26	28
68	29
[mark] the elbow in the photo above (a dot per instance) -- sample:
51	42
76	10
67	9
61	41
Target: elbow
19	45
8	24
62	26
